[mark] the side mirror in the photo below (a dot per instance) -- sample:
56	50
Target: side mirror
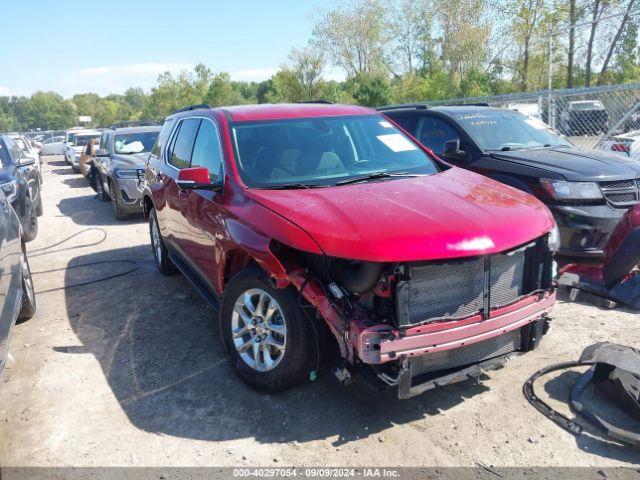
24	161
196	178
452	150
101	152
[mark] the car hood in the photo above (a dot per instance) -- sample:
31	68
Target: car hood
134	160
449	215
577	164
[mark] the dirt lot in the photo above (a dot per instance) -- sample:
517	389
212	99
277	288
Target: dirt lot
130	371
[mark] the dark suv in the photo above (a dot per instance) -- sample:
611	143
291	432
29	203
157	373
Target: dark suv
20	181
588	191
309	223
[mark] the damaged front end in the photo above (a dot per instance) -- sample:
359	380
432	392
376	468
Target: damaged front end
418	325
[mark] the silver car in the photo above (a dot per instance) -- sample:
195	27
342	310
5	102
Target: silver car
122	154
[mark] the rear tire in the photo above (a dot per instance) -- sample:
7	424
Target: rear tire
28	308
160	254
264	359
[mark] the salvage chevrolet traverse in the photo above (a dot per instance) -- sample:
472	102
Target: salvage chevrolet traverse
311	226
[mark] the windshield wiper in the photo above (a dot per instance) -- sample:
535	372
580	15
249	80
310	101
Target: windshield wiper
377	175
291	186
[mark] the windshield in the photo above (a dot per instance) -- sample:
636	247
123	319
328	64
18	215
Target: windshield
139	142
71	138
324	151
21	144
497	130
81	141
595	105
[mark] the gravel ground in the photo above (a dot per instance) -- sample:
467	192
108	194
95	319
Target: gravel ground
130	372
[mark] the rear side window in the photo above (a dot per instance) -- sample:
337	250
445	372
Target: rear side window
207	150
162	137
433	133
180	156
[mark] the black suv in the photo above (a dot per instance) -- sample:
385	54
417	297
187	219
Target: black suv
20	181
587	190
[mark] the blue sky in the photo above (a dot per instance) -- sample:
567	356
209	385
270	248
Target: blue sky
74	46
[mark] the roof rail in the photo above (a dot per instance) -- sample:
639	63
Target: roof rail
327	102
475	104
192	107
419	106
135	123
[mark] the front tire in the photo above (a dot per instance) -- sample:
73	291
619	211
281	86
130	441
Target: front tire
39	205
118	211
163	262
30	220
28	308
102	194
267	336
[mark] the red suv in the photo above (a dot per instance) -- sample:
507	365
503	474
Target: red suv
312	225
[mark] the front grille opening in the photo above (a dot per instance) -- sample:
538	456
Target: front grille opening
468	355
621	193
459	289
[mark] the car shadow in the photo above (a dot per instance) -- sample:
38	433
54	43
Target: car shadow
64	171
49	160
76	182
157	344
89	211
592	440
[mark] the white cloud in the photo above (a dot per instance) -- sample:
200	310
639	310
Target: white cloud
136	69
253	74
8	92
116	78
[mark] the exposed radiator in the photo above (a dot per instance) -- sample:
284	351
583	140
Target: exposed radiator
458	289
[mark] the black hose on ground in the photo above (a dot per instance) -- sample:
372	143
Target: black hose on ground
47	251
610	431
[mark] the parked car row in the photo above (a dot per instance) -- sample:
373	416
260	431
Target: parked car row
20	206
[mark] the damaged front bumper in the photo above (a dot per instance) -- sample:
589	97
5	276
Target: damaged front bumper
442	353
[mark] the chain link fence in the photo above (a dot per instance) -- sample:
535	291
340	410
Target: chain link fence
605	117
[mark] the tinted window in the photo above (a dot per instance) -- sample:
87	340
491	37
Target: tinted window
162	138
81	141
4	156
183	144
206	150
104	141
434	133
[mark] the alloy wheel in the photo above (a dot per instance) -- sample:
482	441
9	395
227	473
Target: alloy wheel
156	242
258	329
27	281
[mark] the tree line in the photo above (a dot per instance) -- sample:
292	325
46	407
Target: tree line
392	52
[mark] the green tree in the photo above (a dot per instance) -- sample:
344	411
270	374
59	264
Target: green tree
48	110
368	90
355	35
